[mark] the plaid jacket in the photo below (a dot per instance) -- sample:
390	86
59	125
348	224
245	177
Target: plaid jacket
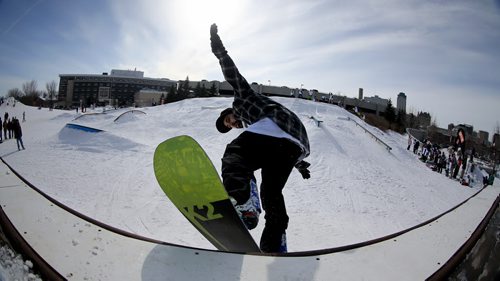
251	107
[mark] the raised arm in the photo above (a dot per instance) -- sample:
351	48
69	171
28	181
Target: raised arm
229	70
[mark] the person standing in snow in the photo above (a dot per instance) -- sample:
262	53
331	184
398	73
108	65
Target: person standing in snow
10	128
5	123
275	141
457	165
459	144
442	162
453	163
18	133
415	146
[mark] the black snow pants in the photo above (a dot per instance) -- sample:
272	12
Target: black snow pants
276	158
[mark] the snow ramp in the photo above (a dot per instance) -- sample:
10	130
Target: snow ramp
67	245
82	128
90	139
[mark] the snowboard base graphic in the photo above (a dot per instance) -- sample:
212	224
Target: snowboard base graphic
189	179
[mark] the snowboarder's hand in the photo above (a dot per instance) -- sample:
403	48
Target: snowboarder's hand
217	46
302	167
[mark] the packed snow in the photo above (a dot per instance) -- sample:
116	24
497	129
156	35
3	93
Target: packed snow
358	190
13	267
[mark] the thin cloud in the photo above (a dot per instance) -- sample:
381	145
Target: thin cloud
20	18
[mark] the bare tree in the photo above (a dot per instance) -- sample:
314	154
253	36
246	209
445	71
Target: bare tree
30	88
434	122
31	93
15	93
51	91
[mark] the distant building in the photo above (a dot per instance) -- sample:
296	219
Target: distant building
496	141
377	100
117	89
129	87
127	73
149	97
483	137
401	102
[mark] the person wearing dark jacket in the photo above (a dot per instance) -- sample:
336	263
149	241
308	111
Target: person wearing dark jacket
18	133
274	140
459	144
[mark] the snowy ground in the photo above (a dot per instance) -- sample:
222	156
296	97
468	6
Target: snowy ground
357	191
13	267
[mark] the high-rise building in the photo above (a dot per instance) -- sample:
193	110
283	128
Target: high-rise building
401	103
483	137
496	141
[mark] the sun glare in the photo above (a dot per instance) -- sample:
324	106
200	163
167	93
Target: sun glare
198	13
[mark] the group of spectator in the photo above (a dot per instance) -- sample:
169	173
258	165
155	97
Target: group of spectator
455	161
11	128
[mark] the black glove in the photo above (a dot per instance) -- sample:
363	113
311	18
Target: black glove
217	46
302	167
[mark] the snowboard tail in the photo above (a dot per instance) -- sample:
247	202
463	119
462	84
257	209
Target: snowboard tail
189	179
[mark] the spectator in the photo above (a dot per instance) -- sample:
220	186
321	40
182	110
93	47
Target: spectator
5	128
415	146
10	128
441	162
453	163
457	166
459	144
18	133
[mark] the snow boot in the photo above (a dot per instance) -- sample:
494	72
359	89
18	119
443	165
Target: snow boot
283	247
249	211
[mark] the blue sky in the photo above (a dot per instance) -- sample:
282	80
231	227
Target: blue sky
444	55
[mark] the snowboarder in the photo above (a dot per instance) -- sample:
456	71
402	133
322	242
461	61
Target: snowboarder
275	141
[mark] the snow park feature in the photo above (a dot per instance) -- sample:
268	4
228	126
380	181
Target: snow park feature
83	128
129	115
366	212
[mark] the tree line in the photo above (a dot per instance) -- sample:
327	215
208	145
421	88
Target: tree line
391	119
184	91
30	95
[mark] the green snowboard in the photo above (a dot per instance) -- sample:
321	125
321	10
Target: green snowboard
189	179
